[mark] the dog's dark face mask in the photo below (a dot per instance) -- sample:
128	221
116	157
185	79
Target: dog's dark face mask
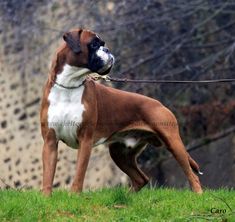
100	59
88	51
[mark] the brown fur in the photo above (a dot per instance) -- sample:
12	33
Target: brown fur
109	113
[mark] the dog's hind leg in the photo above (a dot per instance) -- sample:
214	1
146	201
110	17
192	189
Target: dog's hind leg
194	165
168	131
125	158
176	147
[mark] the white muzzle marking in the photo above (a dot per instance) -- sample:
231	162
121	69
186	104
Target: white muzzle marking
106	57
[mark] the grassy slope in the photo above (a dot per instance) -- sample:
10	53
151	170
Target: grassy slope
116	205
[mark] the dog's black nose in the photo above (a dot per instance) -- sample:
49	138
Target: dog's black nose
106	50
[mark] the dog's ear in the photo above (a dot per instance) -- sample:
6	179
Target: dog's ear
73	41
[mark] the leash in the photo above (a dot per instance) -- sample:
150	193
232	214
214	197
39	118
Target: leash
154	81
125	80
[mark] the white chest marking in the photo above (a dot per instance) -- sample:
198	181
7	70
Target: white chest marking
65	113
65	105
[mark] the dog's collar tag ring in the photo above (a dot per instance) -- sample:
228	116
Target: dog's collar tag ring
98	77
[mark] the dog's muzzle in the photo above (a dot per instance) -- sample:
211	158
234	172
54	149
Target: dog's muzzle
102	61
107	58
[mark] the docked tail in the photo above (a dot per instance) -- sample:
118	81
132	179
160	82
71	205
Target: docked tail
194	165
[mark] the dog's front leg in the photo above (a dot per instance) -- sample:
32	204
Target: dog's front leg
49	156
84	153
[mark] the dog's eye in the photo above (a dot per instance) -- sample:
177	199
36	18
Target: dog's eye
102	43
95	45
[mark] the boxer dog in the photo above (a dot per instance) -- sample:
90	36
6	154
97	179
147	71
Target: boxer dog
83	113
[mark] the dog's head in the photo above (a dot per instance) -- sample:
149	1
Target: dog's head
86	49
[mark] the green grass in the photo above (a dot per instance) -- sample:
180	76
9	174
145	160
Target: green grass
117	205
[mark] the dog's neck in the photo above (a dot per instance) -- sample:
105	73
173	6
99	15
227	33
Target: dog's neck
72	76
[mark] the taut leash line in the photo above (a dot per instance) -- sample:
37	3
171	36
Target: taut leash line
125	80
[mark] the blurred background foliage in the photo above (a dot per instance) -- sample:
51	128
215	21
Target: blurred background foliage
183	40
165	39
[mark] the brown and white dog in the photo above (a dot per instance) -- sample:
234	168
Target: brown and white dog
83	114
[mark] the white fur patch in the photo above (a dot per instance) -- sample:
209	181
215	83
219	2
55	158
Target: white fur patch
71	76
106	57
100	141
102	54
130	142
65	105
199	172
